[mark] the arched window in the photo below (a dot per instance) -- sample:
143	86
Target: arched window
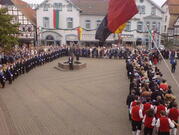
140	26
49	37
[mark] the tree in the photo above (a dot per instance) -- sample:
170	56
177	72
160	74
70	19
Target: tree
8	31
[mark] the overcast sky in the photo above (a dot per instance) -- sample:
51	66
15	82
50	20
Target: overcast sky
159	2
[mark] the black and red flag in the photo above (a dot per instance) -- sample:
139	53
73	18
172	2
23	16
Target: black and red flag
119	12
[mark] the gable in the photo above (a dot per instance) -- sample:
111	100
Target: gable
155	5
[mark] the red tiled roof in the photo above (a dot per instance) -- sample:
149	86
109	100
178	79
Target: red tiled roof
173	2
26	10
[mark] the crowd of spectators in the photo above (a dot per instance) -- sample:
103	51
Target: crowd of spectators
151	101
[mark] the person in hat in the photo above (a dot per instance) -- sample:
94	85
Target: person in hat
136	115
164	124
70	61
173	65
173	114
149	122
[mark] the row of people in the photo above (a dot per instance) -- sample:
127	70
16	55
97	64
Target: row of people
150	100
24	59
14	68
100	52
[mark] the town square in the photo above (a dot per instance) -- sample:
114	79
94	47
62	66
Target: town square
89	67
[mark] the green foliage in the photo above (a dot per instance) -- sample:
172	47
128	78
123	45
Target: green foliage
8	31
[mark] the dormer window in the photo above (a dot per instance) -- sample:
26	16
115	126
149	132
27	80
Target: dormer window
69	7
153	11
46	6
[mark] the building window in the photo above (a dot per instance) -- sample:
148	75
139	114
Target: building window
139	26
165	28
165	18
153	11
142	9
158	28
147	26
46	22
138	7
88	24
69	23
69	7
153	25
128	26
58	6
46	6
98	22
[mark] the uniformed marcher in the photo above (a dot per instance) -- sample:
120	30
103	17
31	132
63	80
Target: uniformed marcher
164	124
2	77
136	115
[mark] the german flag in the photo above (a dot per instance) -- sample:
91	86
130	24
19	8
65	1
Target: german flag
119	12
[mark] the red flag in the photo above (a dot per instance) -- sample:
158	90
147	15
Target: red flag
119	12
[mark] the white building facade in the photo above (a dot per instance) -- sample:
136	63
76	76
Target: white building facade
89	14
149	18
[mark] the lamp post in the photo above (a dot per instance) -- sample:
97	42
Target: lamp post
35	35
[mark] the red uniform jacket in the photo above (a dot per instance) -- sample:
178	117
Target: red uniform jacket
164	125
146	107
159	109
148	122
135	113
173	114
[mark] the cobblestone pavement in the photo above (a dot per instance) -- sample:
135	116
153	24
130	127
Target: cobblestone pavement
47	101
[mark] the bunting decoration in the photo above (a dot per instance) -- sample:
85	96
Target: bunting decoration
79	31
56	19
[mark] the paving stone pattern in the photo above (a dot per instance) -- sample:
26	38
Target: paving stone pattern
47	101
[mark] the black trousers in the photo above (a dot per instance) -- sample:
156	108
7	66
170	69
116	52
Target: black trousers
173	69
136	125
148	131
2	83
71	66
163	133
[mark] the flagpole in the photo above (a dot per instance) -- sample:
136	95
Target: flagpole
177	83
